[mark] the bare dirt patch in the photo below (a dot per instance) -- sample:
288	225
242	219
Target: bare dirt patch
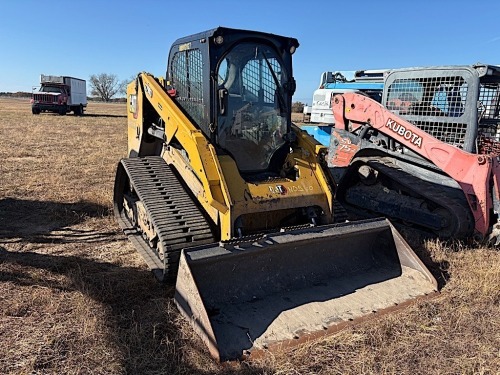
76	298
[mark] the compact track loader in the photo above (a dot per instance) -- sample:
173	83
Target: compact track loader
428	156
221	191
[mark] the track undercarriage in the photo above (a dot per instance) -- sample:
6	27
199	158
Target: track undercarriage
380	187
153	207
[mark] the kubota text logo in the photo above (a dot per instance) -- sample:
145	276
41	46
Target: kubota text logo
405	133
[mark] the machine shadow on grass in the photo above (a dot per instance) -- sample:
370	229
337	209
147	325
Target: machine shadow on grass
130	297
69	116
49	222
104	115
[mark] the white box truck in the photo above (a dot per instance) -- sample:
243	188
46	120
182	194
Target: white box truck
60	94
369	82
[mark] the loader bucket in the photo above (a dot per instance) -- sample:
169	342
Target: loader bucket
294	286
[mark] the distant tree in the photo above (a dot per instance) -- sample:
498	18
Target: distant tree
297	107
105	86
124	84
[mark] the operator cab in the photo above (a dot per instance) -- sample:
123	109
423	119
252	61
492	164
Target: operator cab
247	76
455	104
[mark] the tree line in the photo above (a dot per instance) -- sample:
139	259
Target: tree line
106	86
19	94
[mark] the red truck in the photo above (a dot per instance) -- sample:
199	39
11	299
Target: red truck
60	94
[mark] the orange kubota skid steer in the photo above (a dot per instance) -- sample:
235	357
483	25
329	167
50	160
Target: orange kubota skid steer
223	193
428	156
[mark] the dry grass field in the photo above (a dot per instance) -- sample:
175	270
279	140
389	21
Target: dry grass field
75	298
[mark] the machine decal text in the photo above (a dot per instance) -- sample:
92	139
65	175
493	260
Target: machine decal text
282	190
403	132
148	90
278	189
345	145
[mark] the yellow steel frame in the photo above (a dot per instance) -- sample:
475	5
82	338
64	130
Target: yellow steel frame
215	179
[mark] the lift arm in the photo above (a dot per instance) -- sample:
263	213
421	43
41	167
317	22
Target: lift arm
204	162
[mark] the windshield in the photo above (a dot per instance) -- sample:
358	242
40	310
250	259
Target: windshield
253	118
440	96
57	90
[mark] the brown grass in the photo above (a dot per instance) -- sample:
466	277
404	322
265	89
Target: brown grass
76	298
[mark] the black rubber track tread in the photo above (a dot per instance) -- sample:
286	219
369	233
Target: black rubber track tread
340	214
460	210
174	214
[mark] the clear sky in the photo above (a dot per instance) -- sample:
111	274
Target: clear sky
80	38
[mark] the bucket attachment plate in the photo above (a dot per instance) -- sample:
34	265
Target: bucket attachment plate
294	286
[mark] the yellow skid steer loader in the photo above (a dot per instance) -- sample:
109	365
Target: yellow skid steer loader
223	193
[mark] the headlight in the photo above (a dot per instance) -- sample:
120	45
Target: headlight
219	40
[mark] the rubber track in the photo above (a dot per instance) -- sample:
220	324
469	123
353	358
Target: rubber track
177	219
340	213
459	209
